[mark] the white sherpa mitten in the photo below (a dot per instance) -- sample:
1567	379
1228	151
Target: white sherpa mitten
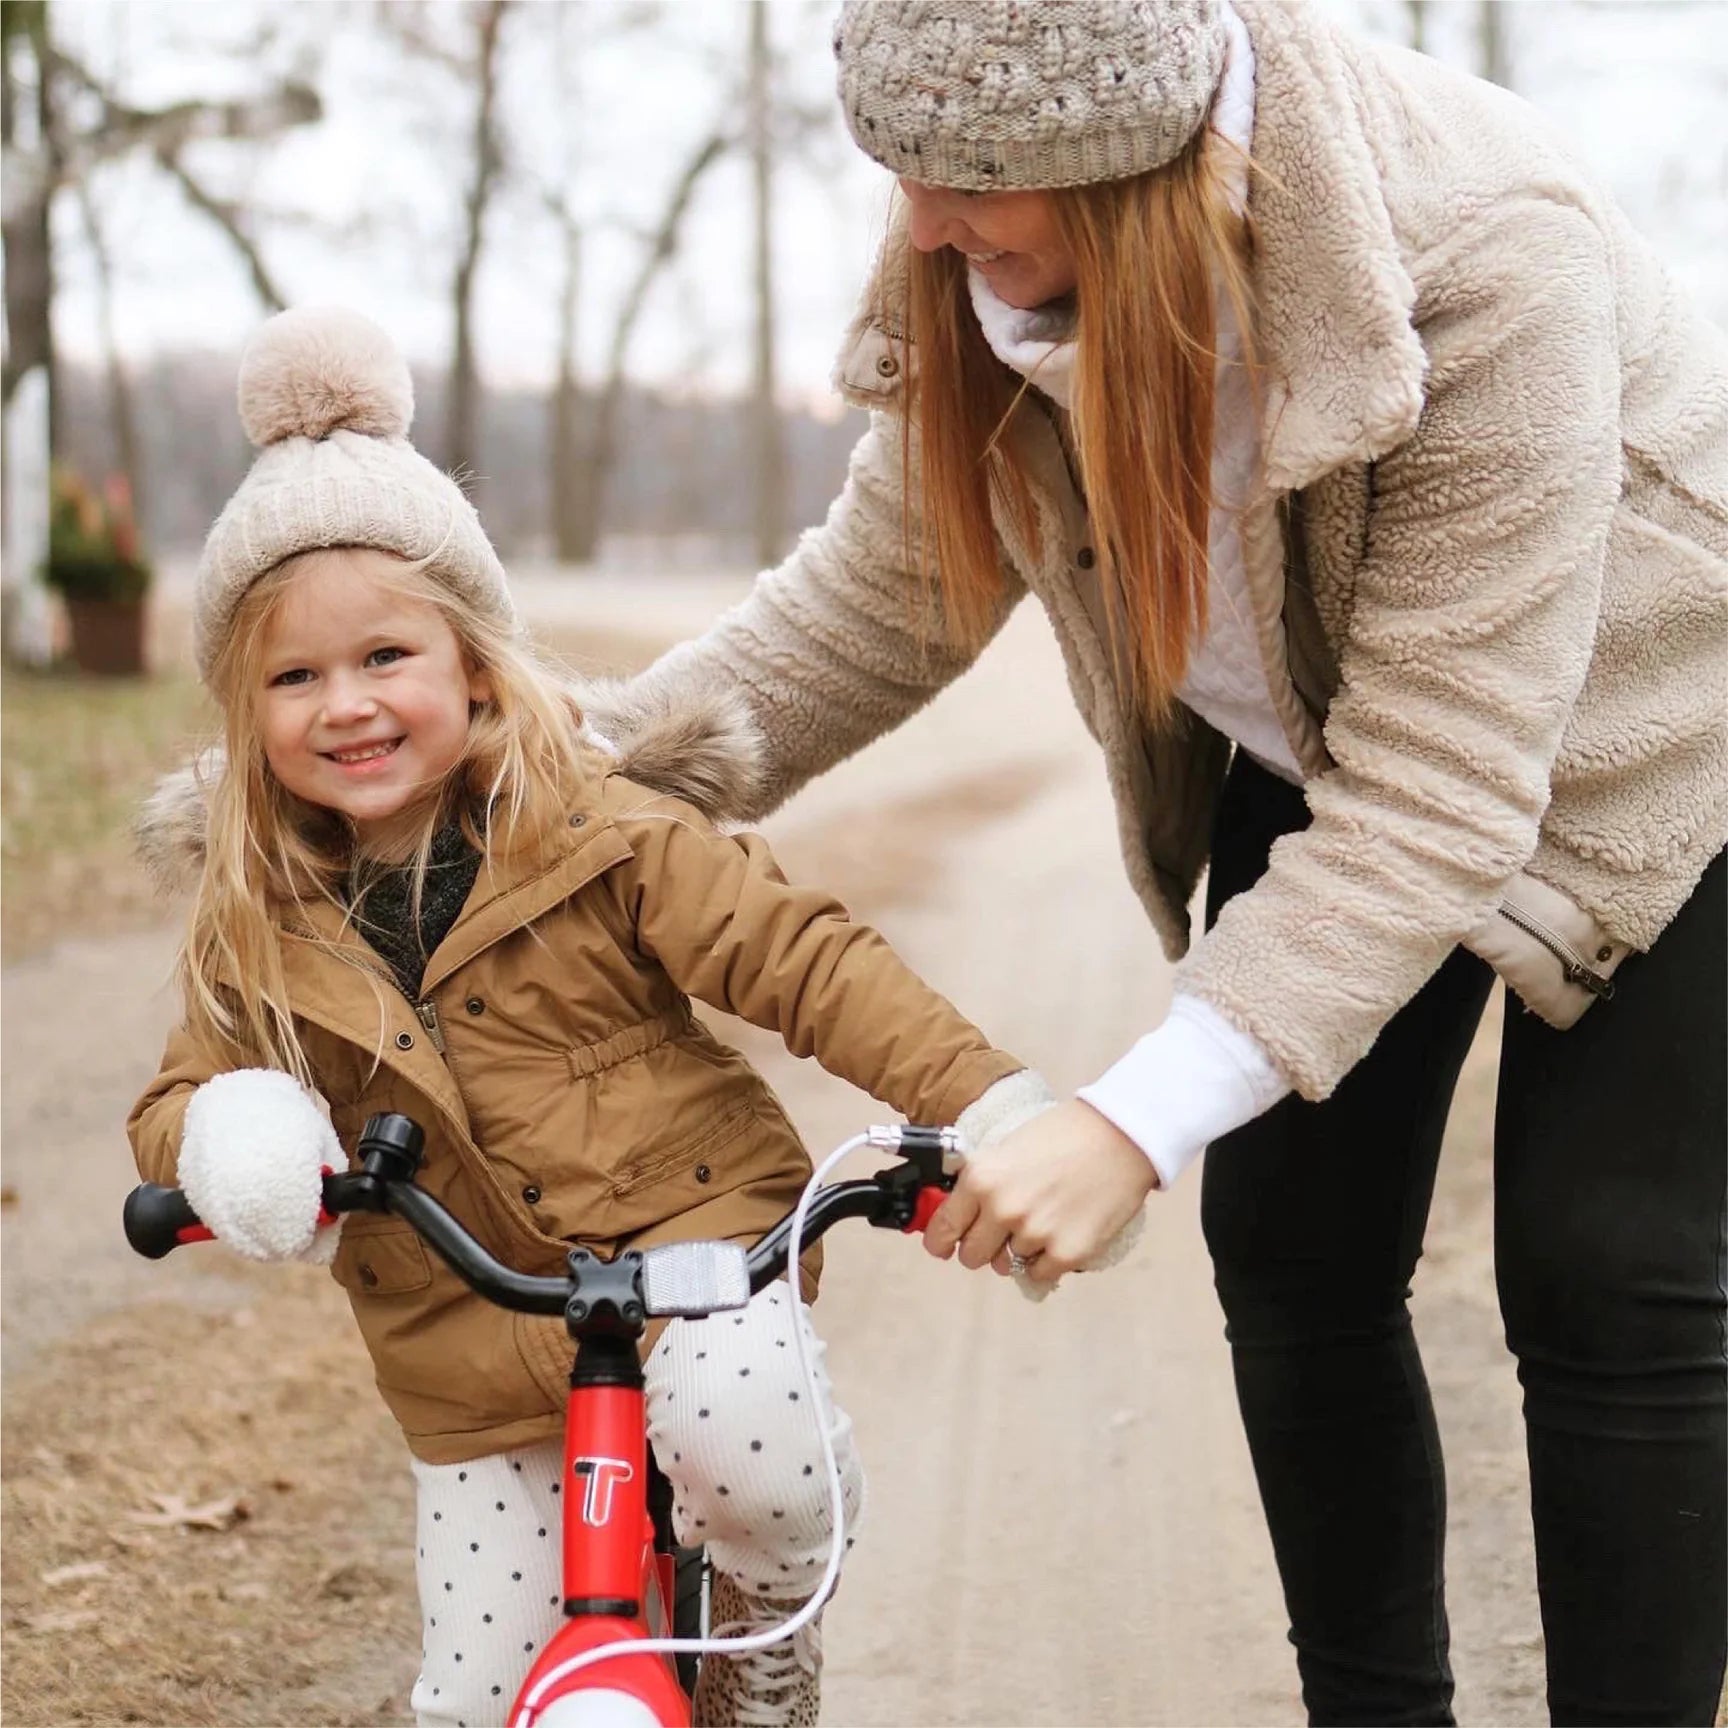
253	1150
1009	1104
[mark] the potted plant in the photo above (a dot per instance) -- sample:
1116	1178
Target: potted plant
95	564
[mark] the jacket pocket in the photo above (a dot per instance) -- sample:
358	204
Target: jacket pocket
648	1168
380	1257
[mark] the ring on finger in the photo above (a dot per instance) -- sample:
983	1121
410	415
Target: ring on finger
1017	1262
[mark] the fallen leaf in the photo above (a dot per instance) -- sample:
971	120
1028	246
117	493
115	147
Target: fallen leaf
175	1512
348	1582
79	1572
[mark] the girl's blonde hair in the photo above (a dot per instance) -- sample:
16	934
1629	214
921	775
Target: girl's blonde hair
269	855
1150	253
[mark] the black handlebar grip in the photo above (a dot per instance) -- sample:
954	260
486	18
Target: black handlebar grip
159	1219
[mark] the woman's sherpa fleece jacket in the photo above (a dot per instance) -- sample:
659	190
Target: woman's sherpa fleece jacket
568	1092
1489	568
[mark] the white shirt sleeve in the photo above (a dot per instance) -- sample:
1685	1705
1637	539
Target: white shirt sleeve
1195	1078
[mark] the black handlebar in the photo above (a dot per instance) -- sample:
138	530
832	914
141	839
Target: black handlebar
158	1220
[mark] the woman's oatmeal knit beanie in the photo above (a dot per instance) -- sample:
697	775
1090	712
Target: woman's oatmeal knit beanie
993	95
327	400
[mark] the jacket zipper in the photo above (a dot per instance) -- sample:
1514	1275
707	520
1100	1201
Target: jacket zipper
428	1014
1571	963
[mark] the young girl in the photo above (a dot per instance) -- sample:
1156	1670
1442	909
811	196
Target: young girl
421	886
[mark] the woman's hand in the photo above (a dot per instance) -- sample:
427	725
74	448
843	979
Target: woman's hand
1055	1192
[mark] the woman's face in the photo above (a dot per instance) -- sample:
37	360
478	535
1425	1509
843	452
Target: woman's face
1009	238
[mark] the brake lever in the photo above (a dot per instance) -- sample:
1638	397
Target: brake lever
932	1159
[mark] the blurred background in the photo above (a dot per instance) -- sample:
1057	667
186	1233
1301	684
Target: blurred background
619	243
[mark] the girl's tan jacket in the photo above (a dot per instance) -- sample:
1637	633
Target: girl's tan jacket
1489	568
569	1094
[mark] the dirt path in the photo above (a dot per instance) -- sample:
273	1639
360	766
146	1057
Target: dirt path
1063	1523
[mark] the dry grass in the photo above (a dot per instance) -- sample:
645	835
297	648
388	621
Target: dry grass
279	1618
79	754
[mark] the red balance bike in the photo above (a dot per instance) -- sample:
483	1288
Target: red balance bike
626	1654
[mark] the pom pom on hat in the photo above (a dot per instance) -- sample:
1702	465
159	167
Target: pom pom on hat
306	375
315	370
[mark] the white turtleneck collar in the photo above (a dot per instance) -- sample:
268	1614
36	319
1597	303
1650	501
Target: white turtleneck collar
1038	343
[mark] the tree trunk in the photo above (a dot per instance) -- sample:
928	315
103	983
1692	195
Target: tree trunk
1494	51
603	434
575	529
122	421
1418	10
768	448
460	436
32	168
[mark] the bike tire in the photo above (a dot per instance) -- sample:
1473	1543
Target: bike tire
689	1608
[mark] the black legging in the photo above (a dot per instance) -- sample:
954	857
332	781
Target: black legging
1610	1185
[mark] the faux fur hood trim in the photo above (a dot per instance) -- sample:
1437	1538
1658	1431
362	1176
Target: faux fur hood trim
705	749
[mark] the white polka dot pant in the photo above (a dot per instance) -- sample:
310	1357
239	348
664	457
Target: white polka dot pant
732	1428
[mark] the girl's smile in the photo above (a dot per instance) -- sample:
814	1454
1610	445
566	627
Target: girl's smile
364	697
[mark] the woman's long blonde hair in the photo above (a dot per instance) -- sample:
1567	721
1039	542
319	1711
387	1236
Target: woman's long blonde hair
1150	254
269	855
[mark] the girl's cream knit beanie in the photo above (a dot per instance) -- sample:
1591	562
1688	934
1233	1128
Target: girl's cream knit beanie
327	399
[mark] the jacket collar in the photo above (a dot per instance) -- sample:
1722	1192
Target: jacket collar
1335	323
1345	364
513	890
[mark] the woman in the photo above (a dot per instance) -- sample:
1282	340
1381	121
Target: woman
1334	415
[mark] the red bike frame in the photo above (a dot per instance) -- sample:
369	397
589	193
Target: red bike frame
617	1587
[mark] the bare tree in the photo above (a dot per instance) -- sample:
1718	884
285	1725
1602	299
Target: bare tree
460	436
587	478
564	447
767	439
477	66
117	126
572	532
84	124
61	123
32	169
1418	10
122	421
1495	61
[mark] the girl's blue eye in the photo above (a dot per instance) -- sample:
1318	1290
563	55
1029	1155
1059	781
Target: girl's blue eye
295	675
385	656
